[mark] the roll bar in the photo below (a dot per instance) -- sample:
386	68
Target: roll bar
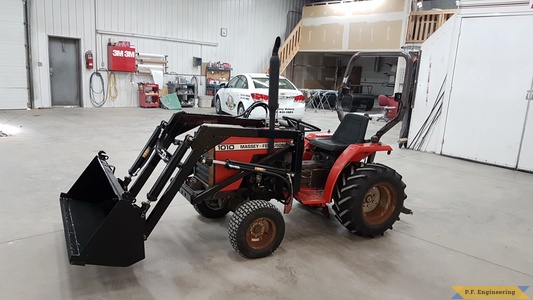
406	90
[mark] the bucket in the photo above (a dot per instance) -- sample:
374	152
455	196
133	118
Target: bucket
101	228
205	101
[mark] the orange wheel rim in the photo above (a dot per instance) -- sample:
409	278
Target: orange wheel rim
261	233
379	203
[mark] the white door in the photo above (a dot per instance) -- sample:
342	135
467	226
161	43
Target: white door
14	77
239	94
227	101
494	67
525	161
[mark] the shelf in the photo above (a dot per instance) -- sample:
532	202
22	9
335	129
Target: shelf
149	95
218	69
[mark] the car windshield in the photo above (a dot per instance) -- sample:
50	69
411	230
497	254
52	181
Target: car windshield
262	83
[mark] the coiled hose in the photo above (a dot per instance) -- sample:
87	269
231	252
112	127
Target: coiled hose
112	91
92	92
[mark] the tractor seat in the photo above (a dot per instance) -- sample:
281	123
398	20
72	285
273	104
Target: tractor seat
352	130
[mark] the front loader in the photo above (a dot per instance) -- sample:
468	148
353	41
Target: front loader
229	164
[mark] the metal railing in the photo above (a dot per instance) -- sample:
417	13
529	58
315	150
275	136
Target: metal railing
422	24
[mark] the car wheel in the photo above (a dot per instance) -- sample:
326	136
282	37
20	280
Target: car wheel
366	105
240	109
217	105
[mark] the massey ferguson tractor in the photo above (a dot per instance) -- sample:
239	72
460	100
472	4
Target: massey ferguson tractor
235	164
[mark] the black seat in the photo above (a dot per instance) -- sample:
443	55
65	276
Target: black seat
352	130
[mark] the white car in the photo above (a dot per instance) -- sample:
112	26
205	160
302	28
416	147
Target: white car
244	89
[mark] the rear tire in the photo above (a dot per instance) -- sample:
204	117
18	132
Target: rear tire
211	210
240	109
368	200
218	109
256	229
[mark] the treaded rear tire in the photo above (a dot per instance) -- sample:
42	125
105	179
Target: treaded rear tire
357	184
255	214
207	211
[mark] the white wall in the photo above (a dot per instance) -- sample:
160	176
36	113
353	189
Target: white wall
181	29
13	78
484	54
433	84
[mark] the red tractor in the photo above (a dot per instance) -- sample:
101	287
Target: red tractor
237	164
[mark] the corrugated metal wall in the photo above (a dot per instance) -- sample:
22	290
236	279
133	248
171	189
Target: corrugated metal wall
181	29
13	78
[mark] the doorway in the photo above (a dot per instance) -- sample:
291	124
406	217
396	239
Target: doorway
64	71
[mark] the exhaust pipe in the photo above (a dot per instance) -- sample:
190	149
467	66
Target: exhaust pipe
273	90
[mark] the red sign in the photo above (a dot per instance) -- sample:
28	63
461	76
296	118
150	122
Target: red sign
121	58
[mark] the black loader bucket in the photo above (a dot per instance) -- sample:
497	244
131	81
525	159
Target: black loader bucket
100	227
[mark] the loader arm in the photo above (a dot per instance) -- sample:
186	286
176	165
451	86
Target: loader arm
179	123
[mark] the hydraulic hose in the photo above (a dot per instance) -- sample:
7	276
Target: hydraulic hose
92	92
112	91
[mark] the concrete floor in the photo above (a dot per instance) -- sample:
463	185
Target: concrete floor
472	225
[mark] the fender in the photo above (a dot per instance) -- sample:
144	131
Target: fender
353	153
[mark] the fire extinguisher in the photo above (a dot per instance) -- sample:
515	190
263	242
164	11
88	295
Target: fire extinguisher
89	62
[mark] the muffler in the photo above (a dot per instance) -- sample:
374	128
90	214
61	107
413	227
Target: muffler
101	228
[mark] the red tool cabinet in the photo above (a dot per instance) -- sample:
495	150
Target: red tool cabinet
148	95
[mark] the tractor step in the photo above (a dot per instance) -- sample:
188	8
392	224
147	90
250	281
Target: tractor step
187	192
311	197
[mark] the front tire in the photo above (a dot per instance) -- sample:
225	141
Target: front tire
211	209
218	109
368	200
256	229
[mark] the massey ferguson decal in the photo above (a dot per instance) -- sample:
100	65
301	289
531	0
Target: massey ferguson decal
253	146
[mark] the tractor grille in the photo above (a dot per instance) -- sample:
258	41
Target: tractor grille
204	172
201	171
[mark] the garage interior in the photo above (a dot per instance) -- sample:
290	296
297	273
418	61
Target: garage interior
468	166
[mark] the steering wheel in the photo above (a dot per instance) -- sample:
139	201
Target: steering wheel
300	125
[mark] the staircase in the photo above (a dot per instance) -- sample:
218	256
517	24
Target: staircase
289	49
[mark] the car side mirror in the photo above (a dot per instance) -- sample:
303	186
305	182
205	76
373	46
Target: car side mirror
223	85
